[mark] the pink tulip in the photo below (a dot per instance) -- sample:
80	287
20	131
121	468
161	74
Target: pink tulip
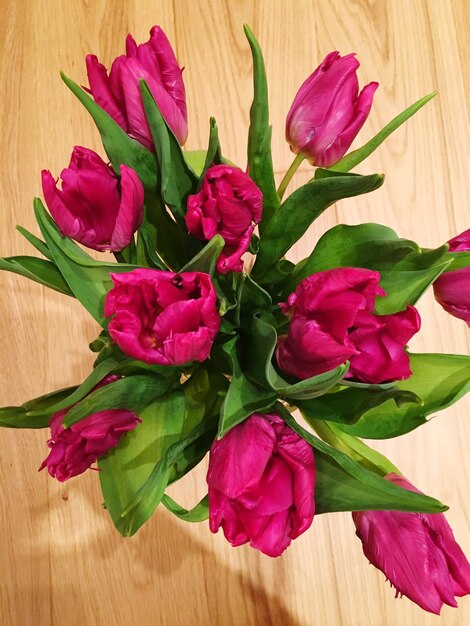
332	321
94	207
162	317
328	110
75	449
119	93
261	484
229	204
452	289
417	553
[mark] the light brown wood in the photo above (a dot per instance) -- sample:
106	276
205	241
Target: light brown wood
62	562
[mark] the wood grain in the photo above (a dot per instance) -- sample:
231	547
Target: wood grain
62	563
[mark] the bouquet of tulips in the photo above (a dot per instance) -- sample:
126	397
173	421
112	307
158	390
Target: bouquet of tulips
211	339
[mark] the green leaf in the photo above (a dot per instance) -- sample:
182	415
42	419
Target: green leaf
348	405
343	484
133	489
132	393
196	160
160	234
260	162
127	468
357	156
89	280
214	151
300	209
199	513
119	147
177	179
206	259
258	351
35	242
41	271
459	261
34	413
103	369
406	271
439	380
243	398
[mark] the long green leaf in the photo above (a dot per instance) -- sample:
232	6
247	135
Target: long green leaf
243	398
260	163
257	363
34	413
343	484
35	242
199	513
439	380
300	209
119	147
39	270
206	259
132	393
89	280
133	489
177	179
357	156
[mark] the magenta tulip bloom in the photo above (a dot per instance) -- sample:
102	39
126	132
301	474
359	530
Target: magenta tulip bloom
417	553
229	204
119	93
328	110
261	484
75	449
452	289
162	317
332	321
94	206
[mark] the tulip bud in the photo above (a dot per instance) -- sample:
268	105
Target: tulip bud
75	449
119	93
328	110
229	204
452	289
94	207
261	484
332	321
417	552
162	317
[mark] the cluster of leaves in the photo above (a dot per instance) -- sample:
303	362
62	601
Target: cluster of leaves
182	416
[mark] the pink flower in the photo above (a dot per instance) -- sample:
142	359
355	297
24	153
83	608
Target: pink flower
229	204
162	317
75	449
452	289
94	207
119	93
328	111
261	484
332	321
417	552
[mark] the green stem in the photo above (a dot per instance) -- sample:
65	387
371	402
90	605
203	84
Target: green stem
353	447
289	174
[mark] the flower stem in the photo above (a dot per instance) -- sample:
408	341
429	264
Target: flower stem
353	447
289	174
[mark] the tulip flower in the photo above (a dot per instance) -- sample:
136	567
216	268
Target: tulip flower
94	206
452	289
261	484
332	321
229	204
328	110
119	93
417	552
75	449
162	317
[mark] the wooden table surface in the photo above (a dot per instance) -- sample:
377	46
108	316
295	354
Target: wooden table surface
62	562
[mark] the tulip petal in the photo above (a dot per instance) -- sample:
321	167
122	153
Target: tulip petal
101	90
129	217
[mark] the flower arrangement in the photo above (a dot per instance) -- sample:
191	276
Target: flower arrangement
211	339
